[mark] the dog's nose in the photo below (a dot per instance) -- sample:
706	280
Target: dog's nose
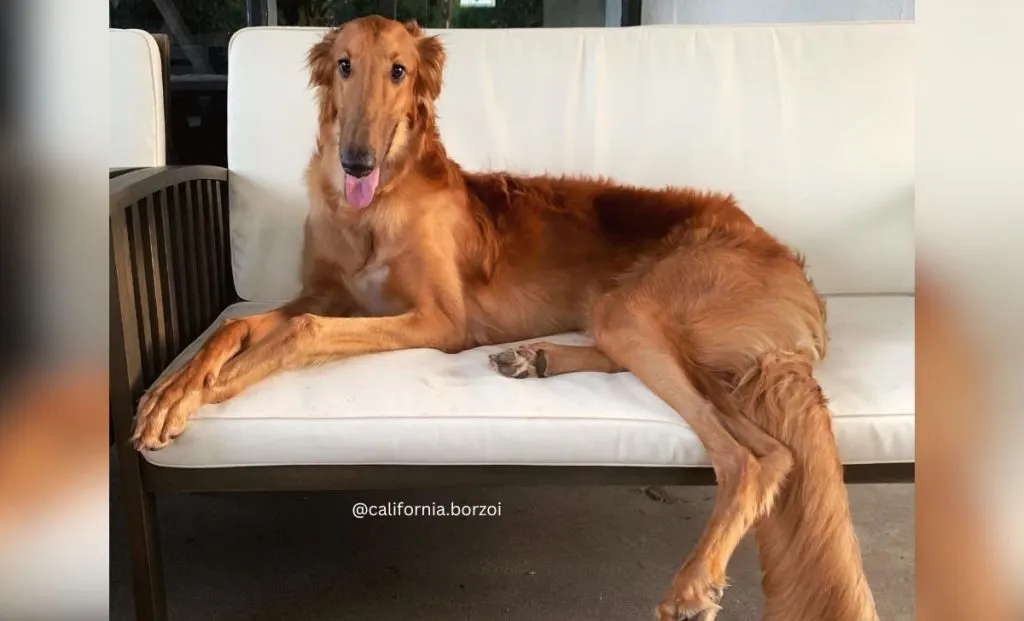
358	162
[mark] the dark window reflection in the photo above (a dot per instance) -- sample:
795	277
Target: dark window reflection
430	13
199	29
199	32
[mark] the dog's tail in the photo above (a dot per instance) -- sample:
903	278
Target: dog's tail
810	558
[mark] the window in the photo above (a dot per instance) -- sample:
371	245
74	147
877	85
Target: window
429	13
198	32
453	13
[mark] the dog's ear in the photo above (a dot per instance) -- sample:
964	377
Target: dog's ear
413	27
323	68
431	52
432	57
321	62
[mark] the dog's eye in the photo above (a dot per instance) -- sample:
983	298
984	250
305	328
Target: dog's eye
397	73
345	67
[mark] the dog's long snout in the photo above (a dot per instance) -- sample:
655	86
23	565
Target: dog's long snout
358	162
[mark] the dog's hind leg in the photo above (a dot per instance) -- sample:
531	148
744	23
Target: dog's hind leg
747	482
549	359
545	359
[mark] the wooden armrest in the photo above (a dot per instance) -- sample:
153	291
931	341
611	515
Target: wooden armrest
170	272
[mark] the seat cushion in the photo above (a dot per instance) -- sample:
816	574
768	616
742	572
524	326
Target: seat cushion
424	407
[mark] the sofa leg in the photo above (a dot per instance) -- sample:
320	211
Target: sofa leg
143	540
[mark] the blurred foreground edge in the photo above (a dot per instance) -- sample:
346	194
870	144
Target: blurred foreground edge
958	571
54	500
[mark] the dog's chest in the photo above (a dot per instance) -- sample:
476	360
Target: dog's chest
372	287
365	265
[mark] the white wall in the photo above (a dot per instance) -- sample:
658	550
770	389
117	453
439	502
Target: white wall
778	11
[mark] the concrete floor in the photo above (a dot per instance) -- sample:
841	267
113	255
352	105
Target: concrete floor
555	553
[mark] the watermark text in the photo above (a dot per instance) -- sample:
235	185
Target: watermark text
361	510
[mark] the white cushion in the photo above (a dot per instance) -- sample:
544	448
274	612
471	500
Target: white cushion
137	131
811	126
422	406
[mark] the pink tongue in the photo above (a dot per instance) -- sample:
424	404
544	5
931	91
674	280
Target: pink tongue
359	191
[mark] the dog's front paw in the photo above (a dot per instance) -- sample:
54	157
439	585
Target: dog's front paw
164	411
521	362
691	598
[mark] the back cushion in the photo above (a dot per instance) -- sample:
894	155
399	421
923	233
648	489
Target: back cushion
810	126
136	100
